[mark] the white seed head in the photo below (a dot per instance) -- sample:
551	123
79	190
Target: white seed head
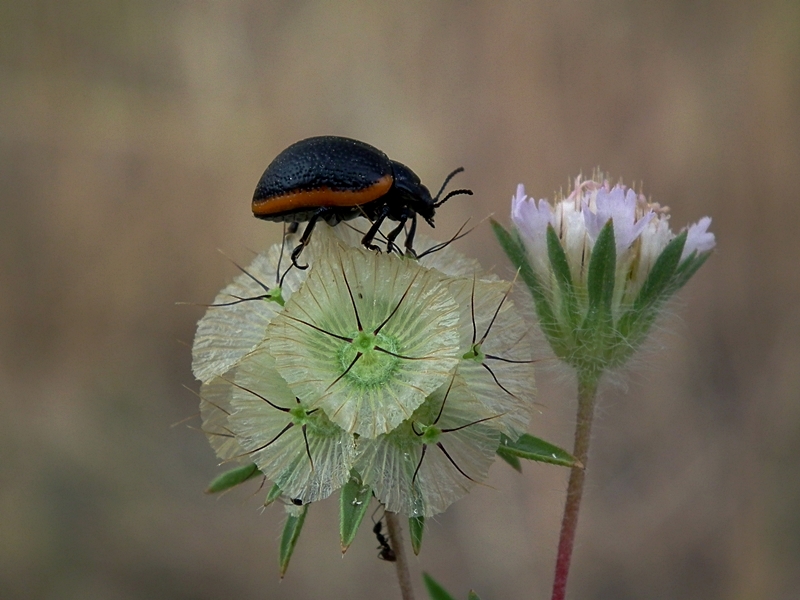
367	338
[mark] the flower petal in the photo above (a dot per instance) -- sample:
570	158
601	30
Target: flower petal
699	239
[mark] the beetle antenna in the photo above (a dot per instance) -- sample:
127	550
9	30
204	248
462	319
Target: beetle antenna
446	181
436	202
464	192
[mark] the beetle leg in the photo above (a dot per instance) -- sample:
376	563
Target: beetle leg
305	237
390	245
410	237
366	241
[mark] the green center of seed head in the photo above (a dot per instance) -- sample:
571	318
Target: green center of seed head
275	295
475	353
299	415
374	368
430	434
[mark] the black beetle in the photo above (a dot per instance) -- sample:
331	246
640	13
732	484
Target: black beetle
336	179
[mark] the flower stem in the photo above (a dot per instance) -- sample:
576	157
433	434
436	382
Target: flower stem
396	538
587	393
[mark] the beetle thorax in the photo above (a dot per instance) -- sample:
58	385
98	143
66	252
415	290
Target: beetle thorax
414	195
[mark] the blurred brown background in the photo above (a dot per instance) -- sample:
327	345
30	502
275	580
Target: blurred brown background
132	134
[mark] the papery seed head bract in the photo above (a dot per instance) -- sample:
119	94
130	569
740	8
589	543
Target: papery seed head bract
367	337
215	408
496	353
296	447
237	320
424	465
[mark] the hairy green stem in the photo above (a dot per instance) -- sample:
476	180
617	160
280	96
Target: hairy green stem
396	538
587	393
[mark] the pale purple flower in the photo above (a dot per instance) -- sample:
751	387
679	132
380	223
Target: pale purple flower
530	219
699	239
621	207
641	232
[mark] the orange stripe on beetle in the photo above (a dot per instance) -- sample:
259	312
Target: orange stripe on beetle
310	199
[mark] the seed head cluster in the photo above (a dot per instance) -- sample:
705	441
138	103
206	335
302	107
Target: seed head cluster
403	372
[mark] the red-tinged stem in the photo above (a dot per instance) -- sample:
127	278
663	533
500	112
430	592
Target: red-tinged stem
396	538
587	392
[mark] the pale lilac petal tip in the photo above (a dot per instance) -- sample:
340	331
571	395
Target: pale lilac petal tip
619	205
529	217
699	239
520	196
594	221
518	203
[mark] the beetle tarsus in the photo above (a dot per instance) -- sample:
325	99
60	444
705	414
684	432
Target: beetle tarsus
295	254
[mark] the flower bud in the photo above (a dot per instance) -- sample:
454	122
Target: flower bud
600	263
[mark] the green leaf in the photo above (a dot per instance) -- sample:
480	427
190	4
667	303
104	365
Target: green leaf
233	478
436	591
273	494
416	527
660	276
353	502
511	460
473	596
602	267
533	448
291	533
515	250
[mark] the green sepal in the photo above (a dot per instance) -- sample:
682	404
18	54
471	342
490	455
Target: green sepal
661	275
560	266
667	276
291	533
636	321
515	250
511	459
533	448
353	503
416	527
436	591
233	478
602	270
473	596
688	268
272	495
